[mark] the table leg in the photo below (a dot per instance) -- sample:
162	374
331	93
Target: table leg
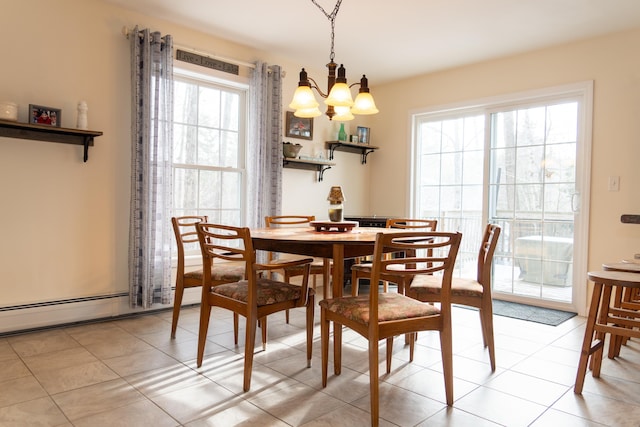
337	278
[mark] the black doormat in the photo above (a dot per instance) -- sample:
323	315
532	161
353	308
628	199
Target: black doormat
547	316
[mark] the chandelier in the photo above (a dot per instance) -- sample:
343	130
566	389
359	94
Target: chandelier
340	105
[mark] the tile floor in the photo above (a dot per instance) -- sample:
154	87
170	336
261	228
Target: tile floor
130	373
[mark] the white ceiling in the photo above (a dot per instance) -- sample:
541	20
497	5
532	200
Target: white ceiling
392	40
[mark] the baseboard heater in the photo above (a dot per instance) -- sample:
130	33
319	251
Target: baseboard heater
63	301
47	315
23	318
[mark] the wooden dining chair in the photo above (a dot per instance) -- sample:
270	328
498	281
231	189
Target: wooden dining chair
363	270
382	315
472	292
184	229
319	266
255	297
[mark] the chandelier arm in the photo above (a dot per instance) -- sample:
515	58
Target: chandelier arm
317	87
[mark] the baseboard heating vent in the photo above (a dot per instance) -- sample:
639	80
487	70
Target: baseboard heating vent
63	301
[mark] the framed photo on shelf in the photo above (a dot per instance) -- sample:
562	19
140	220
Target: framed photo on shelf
364	135
41	115
298	127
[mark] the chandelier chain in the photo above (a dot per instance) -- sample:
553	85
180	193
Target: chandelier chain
332	18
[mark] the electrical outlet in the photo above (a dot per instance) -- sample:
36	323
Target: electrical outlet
614	183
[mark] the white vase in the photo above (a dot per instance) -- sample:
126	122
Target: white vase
83	122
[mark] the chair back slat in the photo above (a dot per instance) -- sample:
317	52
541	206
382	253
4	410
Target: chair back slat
288	220
413	223
437	254
227	243
485	256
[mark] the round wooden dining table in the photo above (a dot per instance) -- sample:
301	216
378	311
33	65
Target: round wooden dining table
333	245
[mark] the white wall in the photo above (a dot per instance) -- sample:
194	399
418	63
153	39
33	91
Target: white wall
65	223
612	62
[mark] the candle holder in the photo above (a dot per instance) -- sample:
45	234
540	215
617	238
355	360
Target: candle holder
336	208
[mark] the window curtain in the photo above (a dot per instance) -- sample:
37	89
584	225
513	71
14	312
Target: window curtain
150	221
264	147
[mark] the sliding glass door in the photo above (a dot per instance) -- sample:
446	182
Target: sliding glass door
520	165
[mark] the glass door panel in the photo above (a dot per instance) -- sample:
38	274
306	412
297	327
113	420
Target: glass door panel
532	182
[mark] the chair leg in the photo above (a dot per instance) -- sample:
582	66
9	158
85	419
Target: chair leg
235	328
374	386
177	303
250	340
337	348
446	344
205	312
310	308
588	338
263	329
354	283
324	343
412	343
287	279
486	322
389	353
326	277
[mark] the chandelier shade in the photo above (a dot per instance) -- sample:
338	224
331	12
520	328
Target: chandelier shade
340	104
342	114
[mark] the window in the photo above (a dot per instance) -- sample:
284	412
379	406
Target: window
209	148
520	162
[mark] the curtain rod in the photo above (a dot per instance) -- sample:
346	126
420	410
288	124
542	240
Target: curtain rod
126	32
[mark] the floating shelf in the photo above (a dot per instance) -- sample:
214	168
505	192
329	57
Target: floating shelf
363	149
49	133
320	166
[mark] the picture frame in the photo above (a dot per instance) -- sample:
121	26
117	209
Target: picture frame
42	115
364	135
298	127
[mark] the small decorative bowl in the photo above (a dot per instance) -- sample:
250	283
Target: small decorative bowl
291	150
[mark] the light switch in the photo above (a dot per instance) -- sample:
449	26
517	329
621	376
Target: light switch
614	183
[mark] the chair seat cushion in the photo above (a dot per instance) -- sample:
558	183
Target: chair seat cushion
223	271
365	267
430	285
391	306
269	291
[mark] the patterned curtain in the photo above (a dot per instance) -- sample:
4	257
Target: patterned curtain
150	222
264	147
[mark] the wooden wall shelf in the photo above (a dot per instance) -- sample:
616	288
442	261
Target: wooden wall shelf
49	133
363	149
320	166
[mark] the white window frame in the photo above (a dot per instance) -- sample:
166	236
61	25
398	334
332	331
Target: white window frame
236	84
486	106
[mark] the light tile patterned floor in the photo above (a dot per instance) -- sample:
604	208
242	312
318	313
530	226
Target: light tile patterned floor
130	373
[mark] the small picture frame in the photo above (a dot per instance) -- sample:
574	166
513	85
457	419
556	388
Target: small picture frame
41	115
354	139
299	127
364	135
